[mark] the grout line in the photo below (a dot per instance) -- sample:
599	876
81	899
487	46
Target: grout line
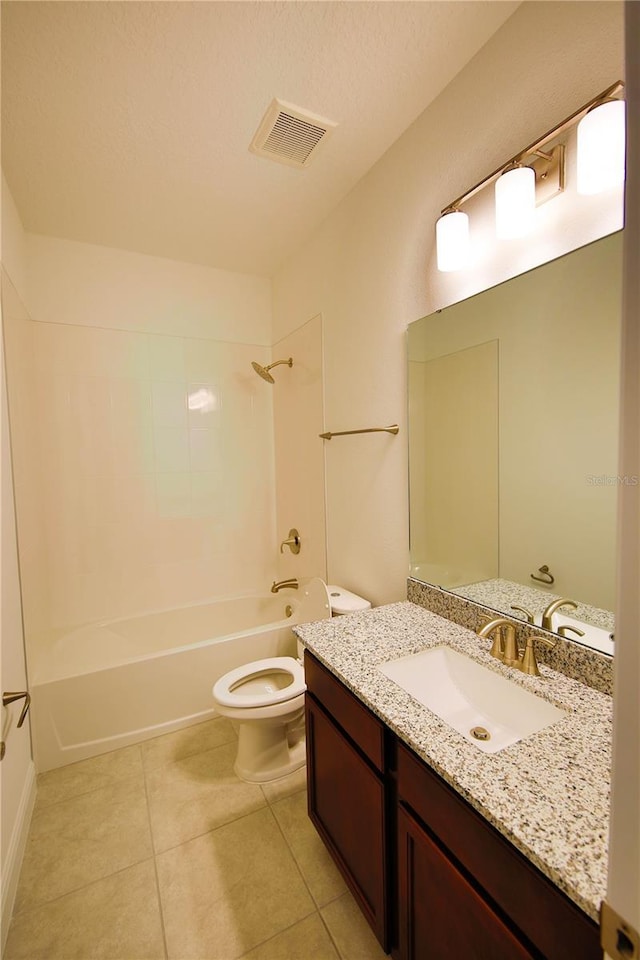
279	933
327	928
155	862
84	886
112	781
294	858
205	833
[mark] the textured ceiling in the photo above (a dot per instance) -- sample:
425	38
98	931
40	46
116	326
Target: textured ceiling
128	123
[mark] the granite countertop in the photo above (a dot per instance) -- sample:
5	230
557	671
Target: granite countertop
548	794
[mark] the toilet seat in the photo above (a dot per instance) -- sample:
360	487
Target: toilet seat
227	689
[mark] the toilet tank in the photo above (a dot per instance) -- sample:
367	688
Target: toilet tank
344	601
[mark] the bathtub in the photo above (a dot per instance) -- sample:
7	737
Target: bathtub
107	685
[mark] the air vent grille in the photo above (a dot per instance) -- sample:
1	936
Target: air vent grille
290	135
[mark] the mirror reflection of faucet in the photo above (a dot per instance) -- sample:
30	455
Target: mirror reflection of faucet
547	616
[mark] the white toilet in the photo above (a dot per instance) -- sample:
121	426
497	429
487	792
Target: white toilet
266	699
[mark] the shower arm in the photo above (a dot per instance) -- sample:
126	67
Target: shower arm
277	363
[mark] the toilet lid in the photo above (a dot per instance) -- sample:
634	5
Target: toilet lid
234	688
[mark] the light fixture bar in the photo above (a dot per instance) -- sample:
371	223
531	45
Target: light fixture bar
536	147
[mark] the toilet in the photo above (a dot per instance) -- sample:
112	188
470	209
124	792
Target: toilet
266	700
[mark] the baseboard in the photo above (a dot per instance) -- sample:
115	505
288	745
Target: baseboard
17	845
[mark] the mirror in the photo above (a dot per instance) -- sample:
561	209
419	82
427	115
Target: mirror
513	443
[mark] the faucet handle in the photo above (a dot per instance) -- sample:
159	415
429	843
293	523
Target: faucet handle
528	663
293	541
529	616
493	626
565	627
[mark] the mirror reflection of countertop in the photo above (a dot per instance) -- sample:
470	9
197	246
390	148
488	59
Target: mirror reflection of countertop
548	794
502	594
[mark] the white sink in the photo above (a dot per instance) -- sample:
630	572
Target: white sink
468	696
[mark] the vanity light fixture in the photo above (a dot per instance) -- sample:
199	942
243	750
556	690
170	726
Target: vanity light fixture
536	174
601	147
515	192
452	240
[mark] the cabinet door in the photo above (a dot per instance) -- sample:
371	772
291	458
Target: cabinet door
346	805
441	915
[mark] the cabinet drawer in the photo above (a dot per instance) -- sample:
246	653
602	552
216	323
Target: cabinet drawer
552	922
366	731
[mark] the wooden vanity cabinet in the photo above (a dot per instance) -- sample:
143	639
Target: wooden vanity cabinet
441	914
515	910
434	879
346	790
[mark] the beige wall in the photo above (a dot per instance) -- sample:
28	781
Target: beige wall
370	268
89	285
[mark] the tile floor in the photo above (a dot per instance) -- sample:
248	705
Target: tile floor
159	852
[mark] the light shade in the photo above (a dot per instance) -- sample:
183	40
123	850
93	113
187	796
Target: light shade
601	144
515	202
452	241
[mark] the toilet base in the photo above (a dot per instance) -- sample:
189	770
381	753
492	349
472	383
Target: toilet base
269	752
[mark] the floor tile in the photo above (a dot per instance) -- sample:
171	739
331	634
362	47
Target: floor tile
286	786
117	918
87	775
228	891
308	939
185	743
197	794
77	841
318	869
350	931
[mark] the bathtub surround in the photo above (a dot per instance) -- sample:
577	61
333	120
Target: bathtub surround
298	418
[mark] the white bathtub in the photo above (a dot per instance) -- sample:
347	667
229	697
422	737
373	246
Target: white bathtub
107	685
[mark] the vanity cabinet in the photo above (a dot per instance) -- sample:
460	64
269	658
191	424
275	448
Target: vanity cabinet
493	892
346	789
434	879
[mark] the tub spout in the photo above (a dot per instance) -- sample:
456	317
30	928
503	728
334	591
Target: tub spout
292	583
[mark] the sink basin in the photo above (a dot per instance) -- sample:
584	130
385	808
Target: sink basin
488	710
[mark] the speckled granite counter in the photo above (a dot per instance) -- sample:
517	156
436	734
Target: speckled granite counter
548	794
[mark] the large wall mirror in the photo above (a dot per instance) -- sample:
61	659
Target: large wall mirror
513	443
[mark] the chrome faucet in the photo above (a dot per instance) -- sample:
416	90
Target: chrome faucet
281	584
547	616
505	645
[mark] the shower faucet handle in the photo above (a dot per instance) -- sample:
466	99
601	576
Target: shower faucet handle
293	541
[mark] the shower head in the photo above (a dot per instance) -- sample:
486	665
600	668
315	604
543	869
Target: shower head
264	371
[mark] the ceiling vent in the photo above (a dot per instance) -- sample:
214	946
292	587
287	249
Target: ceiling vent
290	135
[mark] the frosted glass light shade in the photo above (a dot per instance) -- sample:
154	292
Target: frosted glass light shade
452	241
601	144
515	202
